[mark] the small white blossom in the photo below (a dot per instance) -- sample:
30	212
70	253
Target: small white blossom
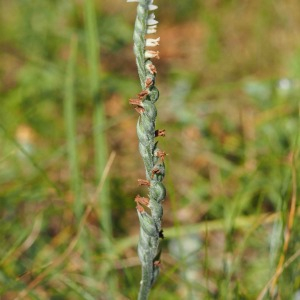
151	29
152	7
151	16
152	42
151	54
151	22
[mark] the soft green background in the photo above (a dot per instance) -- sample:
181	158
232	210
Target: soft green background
229	78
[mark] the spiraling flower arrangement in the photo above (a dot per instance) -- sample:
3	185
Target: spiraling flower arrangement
149	210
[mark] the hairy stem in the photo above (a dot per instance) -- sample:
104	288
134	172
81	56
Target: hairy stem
150	209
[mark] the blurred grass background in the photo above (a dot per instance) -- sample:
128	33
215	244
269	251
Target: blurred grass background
229	78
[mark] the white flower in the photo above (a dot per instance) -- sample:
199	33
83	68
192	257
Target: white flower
133	1
151	20
151	16
151	54
151	29
152	42
152	7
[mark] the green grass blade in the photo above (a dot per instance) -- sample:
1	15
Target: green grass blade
99	113
70	125
100	143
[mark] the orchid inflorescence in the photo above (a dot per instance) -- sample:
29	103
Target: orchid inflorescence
150	209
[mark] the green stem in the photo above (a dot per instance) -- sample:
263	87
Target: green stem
153	157
70	124
145	287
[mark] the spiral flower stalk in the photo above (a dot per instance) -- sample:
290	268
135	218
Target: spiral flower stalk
149	209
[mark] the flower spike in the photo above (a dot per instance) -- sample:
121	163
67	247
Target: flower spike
149	210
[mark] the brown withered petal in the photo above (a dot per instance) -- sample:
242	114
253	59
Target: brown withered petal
160	132
144	182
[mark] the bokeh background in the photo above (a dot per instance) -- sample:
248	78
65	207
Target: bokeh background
229	79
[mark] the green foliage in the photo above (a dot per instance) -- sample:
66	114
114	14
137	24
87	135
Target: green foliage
229	76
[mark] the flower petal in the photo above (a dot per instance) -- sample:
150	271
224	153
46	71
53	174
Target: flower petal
152	42
152	54
151	30
151	22
152	7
